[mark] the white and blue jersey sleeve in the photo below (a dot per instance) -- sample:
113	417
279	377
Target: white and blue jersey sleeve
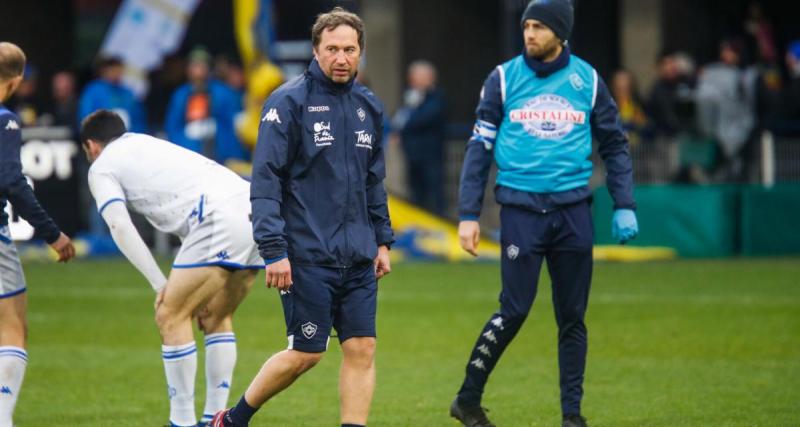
105	188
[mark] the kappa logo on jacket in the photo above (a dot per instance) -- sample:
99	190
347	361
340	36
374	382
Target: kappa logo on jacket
271	116
12	125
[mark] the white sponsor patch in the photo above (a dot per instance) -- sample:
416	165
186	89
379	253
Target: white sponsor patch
363	139
547	116
322	134
318	108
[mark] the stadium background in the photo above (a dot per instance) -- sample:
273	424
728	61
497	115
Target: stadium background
677	339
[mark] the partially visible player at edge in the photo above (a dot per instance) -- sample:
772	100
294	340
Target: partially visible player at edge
14	188
205	204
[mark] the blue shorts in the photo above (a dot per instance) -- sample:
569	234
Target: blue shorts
324	297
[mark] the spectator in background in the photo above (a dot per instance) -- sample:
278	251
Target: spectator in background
163	82
625	92
26	102
202	112
726	99
108	92
758	26
421	123
790	105
64	108
670	98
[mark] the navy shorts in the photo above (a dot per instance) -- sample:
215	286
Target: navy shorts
322	298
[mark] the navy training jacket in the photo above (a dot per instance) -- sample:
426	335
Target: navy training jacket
13	185
317	192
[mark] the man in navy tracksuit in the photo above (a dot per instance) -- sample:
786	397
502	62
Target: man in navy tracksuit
320	219
536	118
14	188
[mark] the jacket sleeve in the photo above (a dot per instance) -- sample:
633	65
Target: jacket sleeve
277	138
14	186
376	193
613	148
480	149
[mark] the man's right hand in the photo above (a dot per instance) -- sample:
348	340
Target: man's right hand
279	274
469	235
63	247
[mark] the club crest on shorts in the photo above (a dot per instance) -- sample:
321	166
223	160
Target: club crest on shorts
512	251
309	330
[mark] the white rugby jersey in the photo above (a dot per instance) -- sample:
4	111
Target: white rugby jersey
164	182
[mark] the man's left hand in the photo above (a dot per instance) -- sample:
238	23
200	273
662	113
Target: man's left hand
382	263
624	226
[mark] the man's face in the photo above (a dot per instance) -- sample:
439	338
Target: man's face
197	72
540	41
421	78
112	73
338	53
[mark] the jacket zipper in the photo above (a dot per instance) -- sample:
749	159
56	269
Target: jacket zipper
347	174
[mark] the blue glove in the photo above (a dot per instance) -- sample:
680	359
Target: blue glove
624	226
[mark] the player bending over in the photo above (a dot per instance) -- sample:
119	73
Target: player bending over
207	206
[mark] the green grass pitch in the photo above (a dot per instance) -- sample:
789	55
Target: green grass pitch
684	343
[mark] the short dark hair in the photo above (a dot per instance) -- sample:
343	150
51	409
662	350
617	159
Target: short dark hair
12	61
331	20
102	126
106	61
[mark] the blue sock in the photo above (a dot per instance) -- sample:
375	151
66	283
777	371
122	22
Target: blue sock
240	414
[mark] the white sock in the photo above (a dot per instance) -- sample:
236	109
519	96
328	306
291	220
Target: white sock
180	365
13	361
220	360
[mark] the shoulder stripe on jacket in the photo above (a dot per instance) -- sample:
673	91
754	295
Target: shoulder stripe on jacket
502	83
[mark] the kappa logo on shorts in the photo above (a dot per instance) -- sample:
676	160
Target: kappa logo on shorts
512	251
309	330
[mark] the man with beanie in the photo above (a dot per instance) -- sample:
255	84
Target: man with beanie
536	118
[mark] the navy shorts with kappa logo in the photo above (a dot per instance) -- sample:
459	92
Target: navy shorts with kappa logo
322	298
